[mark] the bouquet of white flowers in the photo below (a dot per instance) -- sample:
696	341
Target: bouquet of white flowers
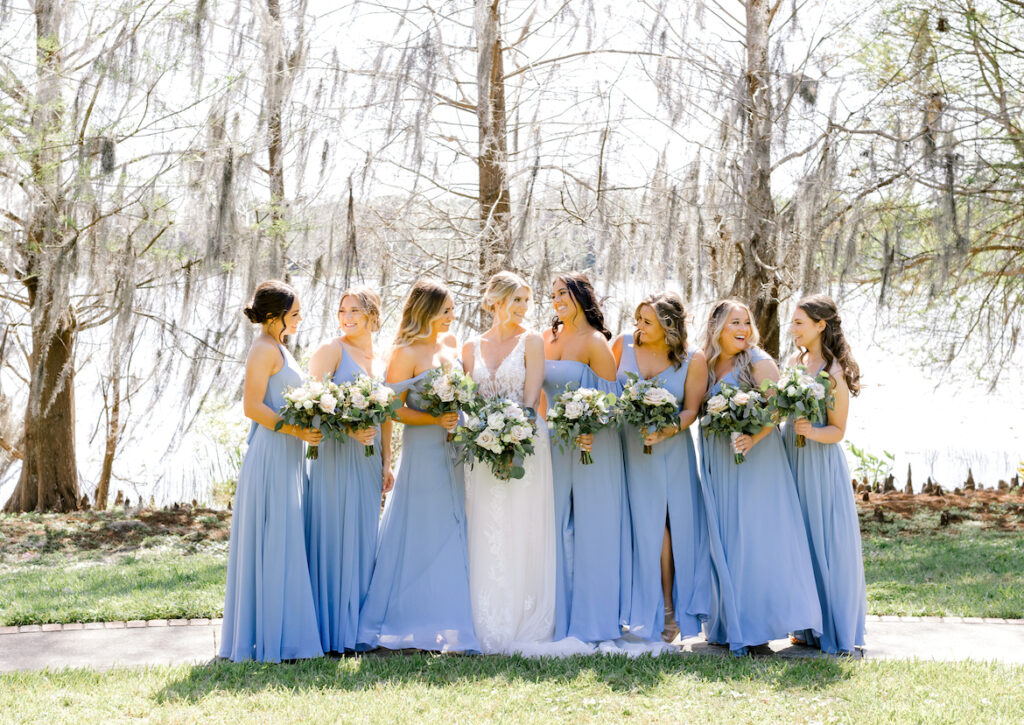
735	411
799	395
580	411
498	432
312	405
647	405
448	391
367	404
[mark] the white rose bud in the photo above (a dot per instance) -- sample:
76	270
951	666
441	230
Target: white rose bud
741	398
573	409
328	403
496	421
717	404
358	400
489	441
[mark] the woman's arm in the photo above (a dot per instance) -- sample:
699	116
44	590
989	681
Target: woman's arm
696	387
763	370
837	415
600	357
265	360
325	360
617	351
402	367
534	353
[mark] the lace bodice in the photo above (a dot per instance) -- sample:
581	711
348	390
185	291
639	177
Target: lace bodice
508	380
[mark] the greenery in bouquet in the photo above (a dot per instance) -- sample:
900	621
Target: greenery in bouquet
315	404
648	406
735	411
798	395
368	403
448	391
500	433
580	411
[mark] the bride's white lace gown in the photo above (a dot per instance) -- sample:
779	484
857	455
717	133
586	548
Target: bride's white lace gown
511	531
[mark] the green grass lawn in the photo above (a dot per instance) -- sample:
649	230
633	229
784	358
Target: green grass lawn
95	567
425	688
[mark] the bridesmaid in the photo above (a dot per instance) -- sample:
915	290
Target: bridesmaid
419	591
663	486
343	504
268	605
762	566
592	564
823	480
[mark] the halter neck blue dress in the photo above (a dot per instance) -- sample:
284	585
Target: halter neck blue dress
763	584
664	489
342	514
268	603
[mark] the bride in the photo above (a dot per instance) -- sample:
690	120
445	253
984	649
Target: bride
511	523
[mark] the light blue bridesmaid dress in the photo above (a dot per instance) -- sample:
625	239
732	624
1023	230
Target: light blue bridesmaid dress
419	591
268	605
763	584
833	531
592	553
342	512
664	487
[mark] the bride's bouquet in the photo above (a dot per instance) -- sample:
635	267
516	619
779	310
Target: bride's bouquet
580	411
367	404
498	432
312	405
448	391
799	395
647	405
735	411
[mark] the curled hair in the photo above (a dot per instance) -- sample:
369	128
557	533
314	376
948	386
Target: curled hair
369	301
668	308
499	288
583	293
743	362
833	341
271	301
425	301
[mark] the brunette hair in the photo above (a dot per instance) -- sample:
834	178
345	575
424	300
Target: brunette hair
271	301
668	308
743	362
583	293
424	303
833	342
368	300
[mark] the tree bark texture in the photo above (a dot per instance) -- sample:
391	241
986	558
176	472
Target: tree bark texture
757	281
274	99
49	473
492	162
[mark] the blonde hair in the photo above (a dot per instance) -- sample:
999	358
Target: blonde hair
425	301
671	314
499	288
369	301
742	363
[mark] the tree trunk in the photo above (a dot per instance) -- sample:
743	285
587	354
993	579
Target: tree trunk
492	162
49	473
113	434
757	281
274	98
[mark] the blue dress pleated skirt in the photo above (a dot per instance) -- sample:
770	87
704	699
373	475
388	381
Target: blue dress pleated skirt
419	591
268	603
833	533
342	514
593	565
763	583
664	489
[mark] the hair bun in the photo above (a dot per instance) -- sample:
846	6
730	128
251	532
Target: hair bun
252	315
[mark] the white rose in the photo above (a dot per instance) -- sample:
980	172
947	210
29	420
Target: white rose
315	388
381	396
741	398
573	409
328	403
658	396
307	404
717	404
473	422
489	441
496	421
520	433
791	391
358	400
818	390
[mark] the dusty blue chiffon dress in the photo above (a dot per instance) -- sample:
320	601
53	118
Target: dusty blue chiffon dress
763	583
664	488
342	512
268	604
419	591
833	532
592	548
